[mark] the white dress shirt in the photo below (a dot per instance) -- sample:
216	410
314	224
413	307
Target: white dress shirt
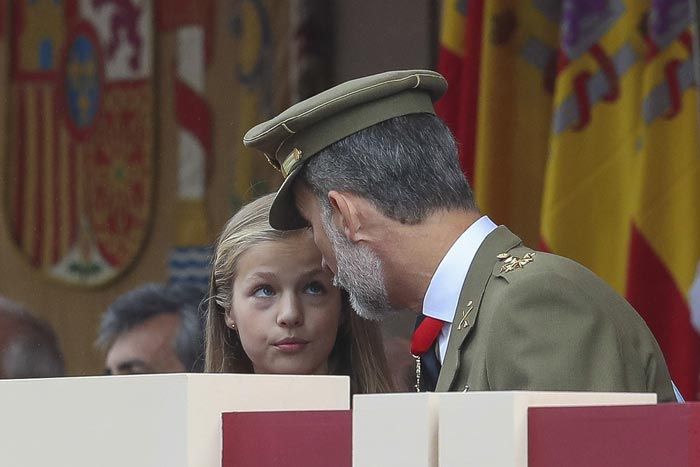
442	297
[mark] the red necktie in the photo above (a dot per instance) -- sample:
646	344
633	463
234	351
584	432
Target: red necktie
423	345
425	334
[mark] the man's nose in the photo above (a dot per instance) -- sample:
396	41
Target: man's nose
326	267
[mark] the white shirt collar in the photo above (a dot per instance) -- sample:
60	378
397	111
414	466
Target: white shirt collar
446	284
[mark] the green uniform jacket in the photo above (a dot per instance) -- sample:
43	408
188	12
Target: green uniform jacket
550	324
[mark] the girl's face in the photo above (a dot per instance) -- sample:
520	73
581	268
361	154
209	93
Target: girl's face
285	308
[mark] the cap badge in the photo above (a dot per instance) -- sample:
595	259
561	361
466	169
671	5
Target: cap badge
291	161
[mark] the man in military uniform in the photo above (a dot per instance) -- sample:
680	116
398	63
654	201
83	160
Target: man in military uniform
375	174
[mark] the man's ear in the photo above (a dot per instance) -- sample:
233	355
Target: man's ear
345	212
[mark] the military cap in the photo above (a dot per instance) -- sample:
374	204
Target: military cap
290	139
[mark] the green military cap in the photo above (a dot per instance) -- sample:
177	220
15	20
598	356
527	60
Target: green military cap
295	135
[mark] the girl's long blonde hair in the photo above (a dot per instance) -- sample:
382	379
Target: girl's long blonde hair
358	351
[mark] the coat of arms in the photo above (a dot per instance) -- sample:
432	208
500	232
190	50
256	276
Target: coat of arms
81	157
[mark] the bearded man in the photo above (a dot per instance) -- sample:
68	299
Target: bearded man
375	174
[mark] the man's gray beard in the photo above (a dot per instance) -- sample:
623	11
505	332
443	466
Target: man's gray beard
360	272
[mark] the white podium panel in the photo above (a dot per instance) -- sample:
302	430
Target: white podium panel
395	430
143	421
489	429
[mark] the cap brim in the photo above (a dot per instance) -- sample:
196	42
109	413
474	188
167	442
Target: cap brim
284	214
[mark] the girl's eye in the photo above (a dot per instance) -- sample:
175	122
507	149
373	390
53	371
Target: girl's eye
263	291
315	288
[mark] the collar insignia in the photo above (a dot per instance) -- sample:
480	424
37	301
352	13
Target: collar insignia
511	263
463	323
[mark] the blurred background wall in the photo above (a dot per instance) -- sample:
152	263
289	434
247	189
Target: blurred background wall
251	38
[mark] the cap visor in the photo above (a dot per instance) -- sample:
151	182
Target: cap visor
284	214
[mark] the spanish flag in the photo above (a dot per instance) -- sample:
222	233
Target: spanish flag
588	191
458	61
622	184
664	254
499	57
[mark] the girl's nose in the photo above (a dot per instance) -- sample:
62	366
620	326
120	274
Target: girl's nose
290	313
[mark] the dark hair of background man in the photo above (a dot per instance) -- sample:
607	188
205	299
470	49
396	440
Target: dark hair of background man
139	305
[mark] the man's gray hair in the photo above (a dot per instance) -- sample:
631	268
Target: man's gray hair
407	166
143	303
31	349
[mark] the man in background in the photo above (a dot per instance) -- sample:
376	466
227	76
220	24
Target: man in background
28	345
154	329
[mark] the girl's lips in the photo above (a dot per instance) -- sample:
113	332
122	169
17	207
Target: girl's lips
291	345
290	348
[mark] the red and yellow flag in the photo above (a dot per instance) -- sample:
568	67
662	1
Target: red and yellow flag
588	190
664	250
592	108
499	58
459	61
621	191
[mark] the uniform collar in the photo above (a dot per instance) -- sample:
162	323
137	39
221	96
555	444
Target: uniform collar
441	299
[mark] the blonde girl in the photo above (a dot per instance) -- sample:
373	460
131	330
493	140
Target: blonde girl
273	309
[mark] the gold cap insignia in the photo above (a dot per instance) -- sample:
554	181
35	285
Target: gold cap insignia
291	161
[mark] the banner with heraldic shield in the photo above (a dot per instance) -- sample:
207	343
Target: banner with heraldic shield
81	134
